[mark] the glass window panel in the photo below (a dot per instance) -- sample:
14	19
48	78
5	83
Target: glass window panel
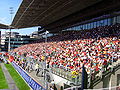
85	26
95	24
92	25
109	21
98	23
88	25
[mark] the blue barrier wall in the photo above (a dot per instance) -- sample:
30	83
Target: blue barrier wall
32	83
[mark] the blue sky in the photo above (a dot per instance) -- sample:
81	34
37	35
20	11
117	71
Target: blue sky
5	17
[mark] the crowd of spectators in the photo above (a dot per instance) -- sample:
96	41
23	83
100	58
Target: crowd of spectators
95	48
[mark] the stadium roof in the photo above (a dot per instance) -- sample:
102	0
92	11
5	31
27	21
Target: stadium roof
44	12
3	26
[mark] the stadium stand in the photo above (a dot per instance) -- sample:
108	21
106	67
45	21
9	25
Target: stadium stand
97	49
94	44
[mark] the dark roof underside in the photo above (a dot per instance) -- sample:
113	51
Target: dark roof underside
44	12
2	26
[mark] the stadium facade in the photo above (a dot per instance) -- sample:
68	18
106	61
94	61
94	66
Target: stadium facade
15	41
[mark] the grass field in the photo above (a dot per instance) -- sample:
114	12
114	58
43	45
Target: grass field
17	78
3	82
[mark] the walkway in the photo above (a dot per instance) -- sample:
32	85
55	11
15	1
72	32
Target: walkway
40	80
10	81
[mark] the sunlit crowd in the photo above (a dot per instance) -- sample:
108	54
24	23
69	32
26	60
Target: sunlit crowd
96	48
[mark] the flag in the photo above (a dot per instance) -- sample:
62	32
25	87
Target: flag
0	53
11	58
6	54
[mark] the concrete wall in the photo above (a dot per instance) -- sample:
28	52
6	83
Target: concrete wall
111	80
115	79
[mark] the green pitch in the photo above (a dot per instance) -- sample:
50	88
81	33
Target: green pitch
17	78
3	82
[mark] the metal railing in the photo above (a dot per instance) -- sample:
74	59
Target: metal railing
75	79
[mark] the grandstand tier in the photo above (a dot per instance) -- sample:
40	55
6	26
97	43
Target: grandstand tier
65	54
78	46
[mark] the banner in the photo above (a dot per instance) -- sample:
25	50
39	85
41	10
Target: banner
32	83
11	58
